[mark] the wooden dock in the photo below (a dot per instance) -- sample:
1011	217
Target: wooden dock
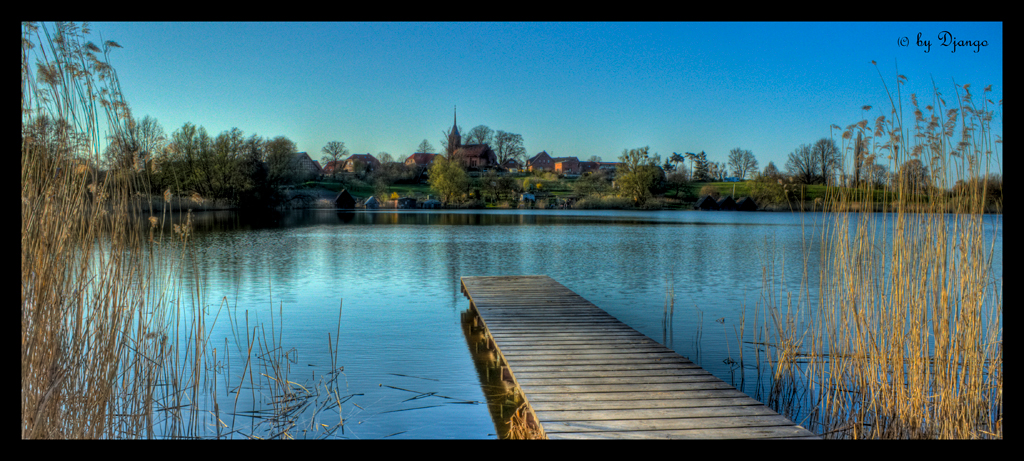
585	374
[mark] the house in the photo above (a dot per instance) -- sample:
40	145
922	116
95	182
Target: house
371	203
593	167
527	197
706	203
402	203
746	204
334	166
306	166
726	203
345	200
476	156
431	203
512	165
566	165
421	160
540	162
367	161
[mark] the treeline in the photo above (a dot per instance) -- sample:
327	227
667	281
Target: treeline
242	170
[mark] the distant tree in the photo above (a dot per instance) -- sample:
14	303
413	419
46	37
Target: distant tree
876	174
637	174
334	151
676	159
701	167
771	172
765	190
447	178
480	134
281	166
509	146
802	165
679	181
594	158
384	157
425	147
742	161
826	154
914	175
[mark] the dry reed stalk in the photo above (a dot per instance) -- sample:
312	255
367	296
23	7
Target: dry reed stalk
905	337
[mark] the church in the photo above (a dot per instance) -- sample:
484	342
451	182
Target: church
472	156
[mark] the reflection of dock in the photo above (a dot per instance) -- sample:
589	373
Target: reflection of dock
585	374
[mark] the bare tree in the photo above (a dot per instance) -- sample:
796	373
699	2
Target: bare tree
826	155
914	174
480	134
594	158
802	165
742	161
509	146
385	157
425	147
334	151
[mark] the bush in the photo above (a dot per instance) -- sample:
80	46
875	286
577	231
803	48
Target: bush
710	190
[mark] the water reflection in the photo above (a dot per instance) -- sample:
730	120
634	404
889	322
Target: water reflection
401	338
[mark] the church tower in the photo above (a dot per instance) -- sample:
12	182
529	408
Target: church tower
454	138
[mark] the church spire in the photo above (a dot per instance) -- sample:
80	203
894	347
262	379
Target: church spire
454	138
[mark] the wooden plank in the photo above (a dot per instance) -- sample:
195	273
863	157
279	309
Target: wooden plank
585	374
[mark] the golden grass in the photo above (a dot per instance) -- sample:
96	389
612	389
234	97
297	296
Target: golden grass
114	338
903	336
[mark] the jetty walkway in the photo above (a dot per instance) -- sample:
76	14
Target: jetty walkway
585	374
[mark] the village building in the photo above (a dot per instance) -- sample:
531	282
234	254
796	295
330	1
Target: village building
726	203
306	166
746	204
334	166
371	203
421	160
369	162
592	167
566	165
345	200
540	162
472	156
403	203
512	165
706	203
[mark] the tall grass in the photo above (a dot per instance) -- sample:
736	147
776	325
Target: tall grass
114	337
89	334
903	337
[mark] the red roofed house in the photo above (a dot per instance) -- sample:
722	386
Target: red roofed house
512	165
566	165
368	161
334	166
421	160
540	162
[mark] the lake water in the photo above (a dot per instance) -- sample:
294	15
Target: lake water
407	370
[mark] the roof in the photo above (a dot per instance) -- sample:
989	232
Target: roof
364	157
535	157
746	203
421	158
706	203
474	150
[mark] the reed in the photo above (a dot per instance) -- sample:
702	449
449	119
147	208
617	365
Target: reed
90	334
903	336
115	337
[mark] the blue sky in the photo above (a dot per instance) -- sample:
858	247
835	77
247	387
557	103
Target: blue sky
572	89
